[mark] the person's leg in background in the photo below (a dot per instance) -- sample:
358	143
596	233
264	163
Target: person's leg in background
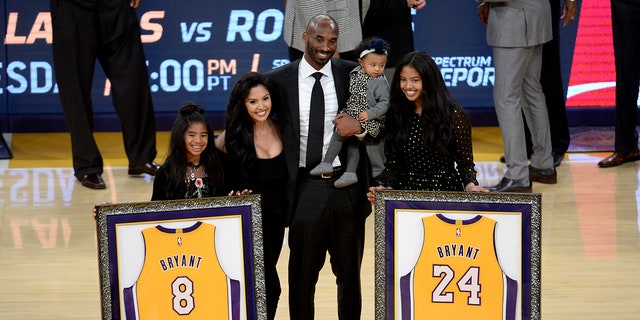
535	111
74	57
124	63
510	65
625	21
553	89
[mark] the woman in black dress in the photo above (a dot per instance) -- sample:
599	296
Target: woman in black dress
428	136
254	163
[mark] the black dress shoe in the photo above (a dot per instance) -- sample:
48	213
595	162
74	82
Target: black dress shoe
149	168
549	176
93	181
509	185
557	158
618	158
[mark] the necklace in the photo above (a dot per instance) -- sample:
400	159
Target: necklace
193	171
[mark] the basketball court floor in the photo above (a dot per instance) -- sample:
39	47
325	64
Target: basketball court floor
48	246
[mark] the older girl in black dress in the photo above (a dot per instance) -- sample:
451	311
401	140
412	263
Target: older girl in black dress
428	136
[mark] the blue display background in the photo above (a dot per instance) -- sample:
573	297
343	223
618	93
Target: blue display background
196	50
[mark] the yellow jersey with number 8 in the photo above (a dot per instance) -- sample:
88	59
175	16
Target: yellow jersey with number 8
181	277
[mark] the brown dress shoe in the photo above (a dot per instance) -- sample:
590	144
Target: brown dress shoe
509	185
549	176
93	181
149	168
618	158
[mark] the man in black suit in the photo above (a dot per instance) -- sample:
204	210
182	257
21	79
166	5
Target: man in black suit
86	31
625	23
322	218
551	80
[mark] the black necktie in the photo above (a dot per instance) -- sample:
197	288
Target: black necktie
316	124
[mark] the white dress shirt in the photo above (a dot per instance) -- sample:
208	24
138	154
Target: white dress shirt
305	85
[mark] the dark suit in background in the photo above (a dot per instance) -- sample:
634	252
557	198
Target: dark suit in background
625	17
553	87
107	31
390	20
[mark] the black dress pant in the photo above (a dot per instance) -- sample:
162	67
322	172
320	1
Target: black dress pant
107	31
625	20
325	220
552	86
553	89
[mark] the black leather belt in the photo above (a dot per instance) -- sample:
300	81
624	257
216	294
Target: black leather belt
337	171
498	4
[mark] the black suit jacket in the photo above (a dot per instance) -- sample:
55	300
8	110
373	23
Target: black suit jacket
285	97
391	21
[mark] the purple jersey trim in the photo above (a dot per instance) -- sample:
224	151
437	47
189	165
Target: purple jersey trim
185	230
405	295
235	299
129	304
512	299
464	222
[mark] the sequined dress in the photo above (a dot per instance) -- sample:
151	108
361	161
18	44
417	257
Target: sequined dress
419	166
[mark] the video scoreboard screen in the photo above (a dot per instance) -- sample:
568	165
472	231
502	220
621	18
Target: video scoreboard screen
196	50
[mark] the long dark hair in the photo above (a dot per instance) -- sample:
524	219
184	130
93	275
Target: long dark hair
238	123
176	162
436	109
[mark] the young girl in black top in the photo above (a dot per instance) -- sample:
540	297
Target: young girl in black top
192	168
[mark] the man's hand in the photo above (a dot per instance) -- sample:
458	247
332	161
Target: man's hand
483	13
135	3
416	4
569	12
346	125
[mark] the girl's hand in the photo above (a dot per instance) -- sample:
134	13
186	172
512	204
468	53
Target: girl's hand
240	193
95	210
471	187
371	195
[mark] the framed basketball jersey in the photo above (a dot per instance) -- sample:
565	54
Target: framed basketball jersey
457	255
182	259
